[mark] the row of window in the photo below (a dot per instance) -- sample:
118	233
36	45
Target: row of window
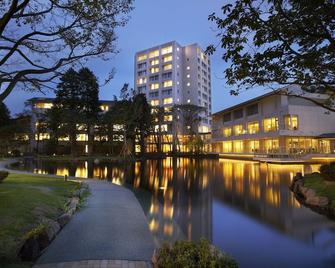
155	53
165	101
269	124
239	113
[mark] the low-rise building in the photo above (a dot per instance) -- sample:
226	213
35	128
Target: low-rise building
275	124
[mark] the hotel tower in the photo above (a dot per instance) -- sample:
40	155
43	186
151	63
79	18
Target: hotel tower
171	74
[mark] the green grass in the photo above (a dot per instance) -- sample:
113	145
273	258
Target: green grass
321	187
22	199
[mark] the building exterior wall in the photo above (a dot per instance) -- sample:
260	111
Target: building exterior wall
286	125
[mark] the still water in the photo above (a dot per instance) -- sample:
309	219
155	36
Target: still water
244	208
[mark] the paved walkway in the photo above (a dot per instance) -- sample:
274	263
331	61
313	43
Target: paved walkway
110	231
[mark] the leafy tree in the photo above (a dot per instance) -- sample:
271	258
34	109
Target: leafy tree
141	119
279	43
158	117
4	115
39	39
68	101
89	101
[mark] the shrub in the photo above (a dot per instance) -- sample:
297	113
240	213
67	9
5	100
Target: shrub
328	171
3	175
184	254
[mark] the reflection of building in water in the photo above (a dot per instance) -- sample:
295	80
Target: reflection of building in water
261	190
180	206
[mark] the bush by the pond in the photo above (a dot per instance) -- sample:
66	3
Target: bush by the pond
328	171
185	254
3	175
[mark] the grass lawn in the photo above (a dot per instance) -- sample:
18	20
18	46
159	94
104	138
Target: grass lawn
321	187
23	198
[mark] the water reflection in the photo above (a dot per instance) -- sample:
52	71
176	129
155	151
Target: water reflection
243	207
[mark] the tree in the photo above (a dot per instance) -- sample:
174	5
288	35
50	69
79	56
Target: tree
158	117
4	115
89	101
39	39
141	119
68	101
279	43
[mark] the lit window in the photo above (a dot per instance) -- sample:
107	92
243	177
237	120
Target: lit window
141	81
142	57
167	58
188	67
227	146
65	138
253	127
188	84
154	86
270	124
81	127
154	70
227	132
167	67
154	54
291	122
238	130
154	62
178	83
188	76
178	66
42	136
104	107
166	50
154	102
177	48
167	101
82	137
43	105
167	83
188	101
168	118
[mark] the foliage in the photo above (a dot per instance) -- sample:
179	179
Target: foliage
196	144
4	114
185	254
189	114
279	42
328	171
38	44
3	175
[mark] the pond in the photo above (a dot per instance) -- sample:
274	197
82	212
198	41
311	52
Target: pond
244	208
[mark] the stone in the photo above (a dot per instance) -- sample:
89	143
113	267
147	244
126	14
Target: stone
310	193
320	201
30	250
73	203
52	228
63	219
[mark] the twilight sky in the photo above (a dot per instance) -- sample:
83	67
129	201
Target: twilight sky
154	22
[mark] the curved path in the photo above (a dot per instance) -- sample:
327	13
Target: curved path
111	230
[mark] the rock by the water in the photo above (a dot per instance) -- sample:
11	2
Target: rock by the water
63	219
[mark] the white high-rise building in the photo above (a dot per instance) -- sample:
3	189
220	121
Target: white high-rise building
171	74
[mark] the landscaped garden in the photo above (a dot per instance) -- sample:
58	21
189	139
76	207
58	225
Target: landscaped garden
24	200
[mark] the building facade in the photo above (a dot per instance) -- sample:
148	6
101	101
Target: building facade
40	134
170	75
274	124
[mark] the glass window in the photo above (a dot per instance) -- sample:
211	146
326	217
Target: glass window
167	58
141	81
270	124
166	50
154	102
238	130
154	53
168	117
238	113
291	122
142	57
154	70
82	137
227	146
253	127
227	131
167	83
238	146
154	86
252	109
167	101
226	117
167	67
43	105
154	62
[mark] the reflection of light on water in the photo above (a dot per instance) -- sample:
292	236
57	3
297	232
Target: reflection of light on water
168	211
153	225
168	229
